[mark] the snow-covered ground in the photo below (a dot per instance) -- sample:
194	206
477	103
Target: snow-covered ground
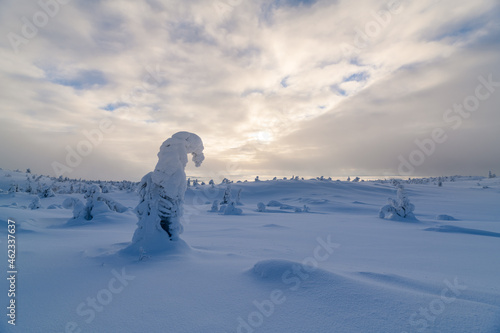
337	268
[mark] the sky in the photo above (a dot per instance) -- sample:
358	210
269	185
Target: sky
91	89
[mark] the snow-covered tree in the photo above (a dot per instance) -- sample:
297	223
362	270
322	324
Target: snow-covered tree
211	183
105	188
238	198
491	175
257	179
348	179
96	203
226	199
35	203
355	180
162	194
215	206
46	192
29	187
14	188
304	209
401	208
261	207
79	210
231	209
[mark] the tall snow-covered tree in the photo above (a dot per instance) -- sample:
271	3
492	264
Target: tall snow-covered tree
162	194
238	198
226	199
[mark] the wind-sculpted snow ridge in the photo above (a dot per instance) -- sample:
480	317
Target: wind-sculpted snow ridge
308	289
161	195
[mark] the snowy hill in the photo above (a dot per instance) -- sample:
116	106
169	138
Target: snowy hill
317	259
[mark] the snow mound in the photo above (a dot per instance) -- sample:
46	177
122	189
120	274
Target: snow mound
444	217
231	209
274	203
281	270
460	230
273	225
159	247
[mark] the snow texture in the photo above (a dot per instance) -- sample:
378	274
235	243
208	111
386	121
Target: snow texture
339	269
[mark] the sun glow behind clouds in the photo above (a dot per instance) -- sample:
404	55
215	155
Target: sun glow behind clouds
262	136
249	78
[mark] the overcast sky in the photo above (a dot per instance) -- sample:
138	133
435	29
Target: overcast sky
273	88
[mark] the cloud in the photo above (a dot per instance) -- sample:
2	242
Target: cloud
266	84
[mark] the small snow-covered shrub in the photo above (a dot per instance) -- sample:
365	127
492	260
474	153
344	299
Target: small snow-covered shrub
304	209
261	207
401	208
46	192
112	205
231	209
215	206
79	209
97	203
35	204
13	188
105	188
